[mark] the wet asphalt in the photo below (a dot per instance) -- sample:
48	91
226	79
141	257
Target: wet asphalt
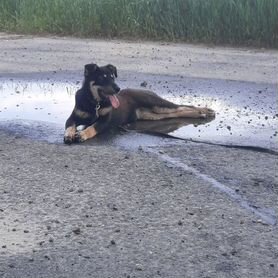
246	113
131	204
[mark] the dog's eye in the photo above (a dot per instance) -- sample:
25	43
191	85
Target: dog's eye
104	75
112	75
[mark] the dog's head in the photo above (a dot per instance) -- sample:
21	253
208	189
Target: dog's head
101	81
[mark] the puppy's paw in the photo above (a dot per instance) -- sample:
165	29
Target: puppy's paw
85	134
206	113
68	140
69	135
79	137
210	113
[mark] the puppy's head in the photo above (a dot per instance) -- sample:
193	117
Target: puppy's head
102	82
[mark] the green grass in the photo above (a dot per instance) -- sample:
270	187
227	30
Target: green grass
237	22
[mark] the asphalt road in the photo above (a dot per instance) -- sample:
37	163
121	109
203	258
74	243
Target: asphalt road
134	205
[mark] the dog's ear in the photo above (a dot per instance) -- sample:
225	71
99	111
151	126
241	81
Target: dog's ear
89	69
112	69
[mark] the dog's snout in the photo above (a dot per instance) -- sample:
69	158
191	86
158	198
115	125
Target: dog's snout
116	88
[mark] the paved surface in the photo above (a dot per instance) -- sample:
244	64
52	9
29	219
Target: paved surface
143	207
33	55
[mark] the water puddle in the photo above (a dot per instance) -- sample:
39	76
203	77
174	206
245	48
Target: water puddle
40	109
39	101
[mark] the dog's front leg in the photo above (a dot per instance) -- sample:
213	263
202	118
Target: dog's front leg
86	134
92	130
70	130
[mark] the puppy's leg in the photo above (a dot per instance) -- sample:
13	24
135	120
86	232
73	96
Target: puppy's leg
185	112
195	112
168	113
91	131
147	99
69	134
166	109
70	130
86	134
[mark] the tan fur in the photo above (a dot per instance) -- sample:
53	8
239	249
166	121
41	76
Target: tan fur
88	133
81	113
70	131
167	113
94	91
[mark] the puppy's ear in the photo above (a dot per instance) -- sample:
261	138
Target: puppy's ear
90	69
112	69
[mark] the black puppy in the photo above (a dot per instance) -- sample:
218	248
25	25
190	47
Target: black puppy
97	92
98	106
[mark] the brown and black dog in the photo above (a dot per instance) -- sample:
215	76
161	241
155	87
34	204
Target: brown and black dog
100	104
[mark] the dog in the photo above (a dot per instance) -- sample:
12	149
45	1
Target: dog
100	104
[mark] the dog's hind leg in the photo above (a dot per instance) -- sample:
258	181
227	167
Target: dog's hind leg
147	99
195	112
160	113
154	101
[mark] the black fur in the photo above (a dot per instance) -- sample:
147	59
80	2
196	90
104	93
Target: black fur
85	102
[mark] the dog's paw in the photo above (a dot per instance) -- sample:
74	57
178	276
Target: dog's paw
207	113
79	137
210	113
69	135
68	140
85	134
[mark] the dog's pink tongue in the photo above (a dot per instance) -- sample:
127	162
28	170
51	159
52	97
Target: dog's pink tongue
114	101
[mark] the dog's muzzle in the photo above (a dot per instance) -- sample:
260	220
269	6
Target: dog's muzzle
116	88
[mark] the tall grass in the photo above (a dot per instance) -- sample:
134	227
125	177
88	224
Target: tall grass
252	22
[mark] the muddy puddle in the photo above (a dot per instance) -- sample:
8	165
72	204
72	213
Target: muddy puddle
39	109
